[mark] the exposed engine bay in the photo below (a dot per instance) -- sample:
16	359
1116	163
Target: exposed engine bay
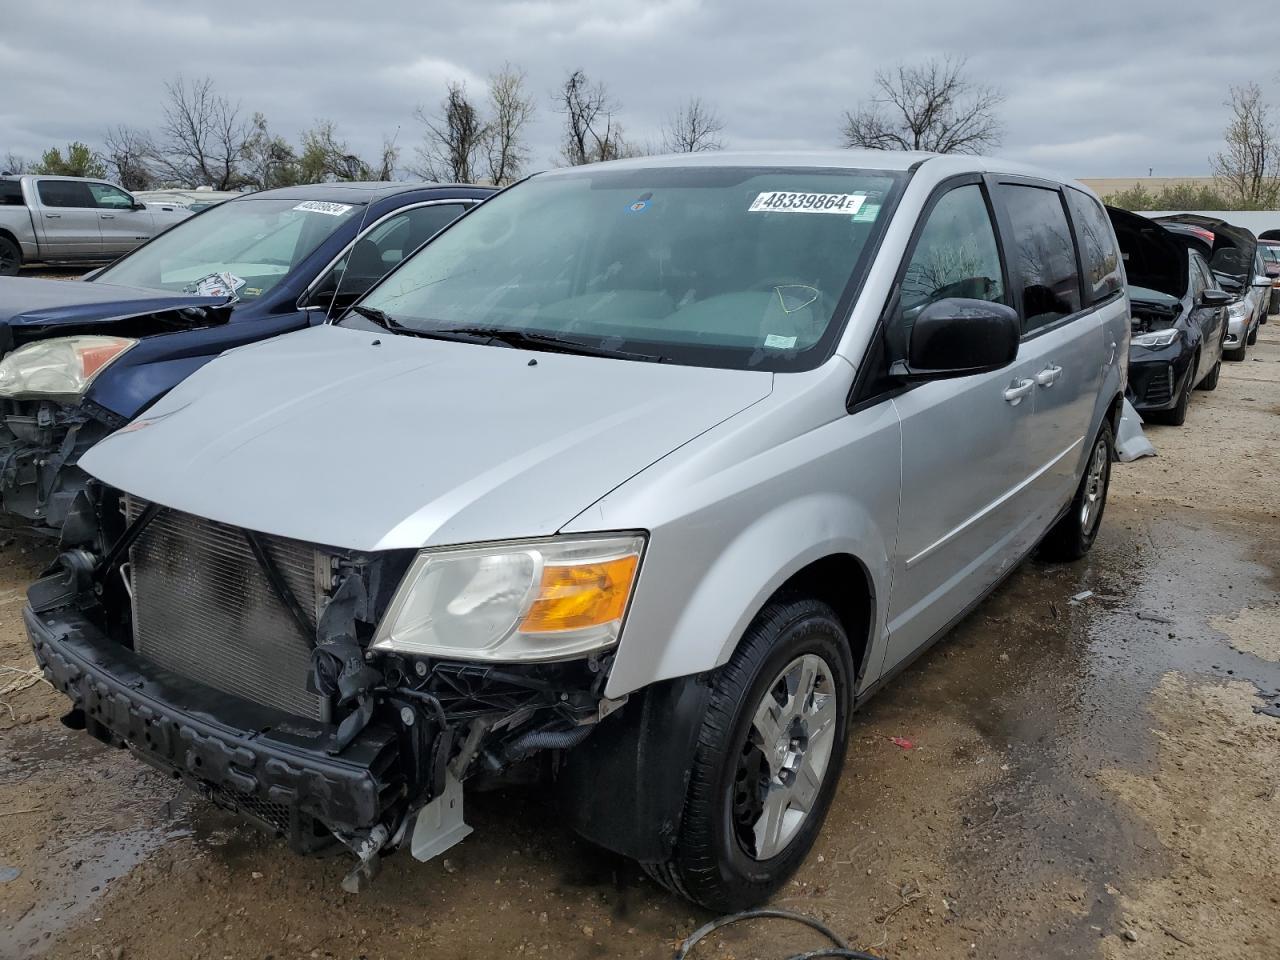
43	436
131	623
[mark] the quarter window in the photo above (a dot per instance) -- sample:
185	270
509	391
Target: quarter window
955	256
1043	253
1097	246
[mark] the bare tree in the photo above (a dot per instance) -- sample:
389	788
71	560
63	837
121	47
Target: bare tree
931	106
505	149
129	154
454	138
204	136
269	159
692	129
326	158
592	132
390	156
1249	167
13	164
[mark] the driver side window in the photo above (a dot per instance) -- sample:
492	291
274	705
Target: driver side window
955	256
108	197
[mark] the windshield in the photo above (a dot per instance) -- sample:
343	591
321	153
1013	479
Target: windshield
257	242
717	266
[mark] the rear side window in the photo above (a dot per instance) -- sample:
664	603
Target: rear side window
955	256
65	193
1042	252
10	193
1102	273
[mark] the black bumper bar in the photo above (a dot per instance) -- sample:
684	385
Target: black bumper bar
268	765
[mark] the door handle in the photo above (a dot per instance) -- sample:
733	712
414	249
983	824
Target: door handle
1111	357
108	216
1049	375
1018	389
53	216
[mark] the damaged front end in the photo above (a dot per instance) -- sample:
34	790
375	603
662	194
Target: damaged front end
246	665
47	417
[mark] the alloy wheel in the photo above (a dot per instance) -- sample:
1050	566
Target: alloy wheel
786	757
1091	508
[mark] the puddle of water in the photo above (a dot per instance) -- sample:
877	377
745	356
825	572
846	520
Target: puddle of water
86	867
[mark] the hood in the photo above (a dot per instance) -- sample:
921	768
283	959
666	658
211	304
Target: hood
371	441
30	302
1155	259
1233	248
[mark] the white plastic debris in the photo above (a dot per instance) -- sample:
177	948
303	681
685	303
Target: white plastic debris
1131	442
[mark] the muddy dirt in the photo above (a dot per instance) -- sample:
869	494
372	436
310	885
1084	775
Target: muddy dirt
1092	779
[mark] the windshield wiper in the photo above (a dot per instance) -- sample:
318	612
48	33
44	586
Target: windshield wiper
391	324
380	317
550	343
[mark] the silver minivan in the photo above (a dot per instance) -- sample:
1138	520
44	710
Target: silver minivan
640	477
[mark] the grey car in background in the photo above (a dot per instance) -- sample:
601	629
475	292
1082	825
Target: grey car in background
74	220
641	475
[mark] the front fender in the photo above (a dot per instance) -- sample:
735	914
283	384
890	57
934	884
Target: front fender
740	533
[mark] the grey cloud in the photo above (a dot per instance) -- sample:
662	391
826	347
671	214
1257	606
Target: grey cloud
1094	88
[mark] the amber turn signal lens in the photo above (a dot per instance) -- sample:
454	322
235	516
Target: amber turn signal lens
580	596
96	356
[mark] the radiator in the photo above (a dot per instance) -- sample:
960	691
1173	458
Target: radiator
204	609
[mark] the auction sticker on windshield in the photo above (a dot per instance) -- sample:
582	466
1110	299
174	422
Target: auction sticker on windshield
779	201
324	206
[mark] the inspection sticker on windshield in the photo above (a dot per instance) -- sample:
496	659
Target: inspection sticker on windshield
323	206
779	201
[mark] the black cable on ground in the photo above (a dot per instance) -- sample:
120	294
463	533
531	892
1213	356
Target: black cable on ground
841	948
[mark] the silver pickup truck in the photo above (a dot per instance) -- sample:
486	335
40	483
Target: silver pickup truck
71	219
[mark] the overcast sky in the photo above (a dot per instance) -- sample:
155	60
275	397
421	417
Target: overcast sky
1093	88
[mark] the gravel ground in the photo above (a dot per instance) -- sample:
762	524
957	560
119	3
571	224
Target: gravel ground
1093	779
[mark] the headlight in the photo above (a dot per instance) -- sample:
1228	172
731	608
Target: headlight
1158	338
518	600
62	367
1237	310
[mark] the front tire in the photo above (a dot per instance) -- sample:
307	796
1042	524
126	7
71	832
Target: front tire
768	758
1073	535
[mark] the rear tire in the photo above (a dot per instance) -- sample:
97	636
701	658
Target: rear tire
768	759
1211	381
10	257
1073	535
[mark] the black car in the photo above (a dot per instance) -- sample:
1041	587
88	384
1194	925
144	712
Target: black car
1179	317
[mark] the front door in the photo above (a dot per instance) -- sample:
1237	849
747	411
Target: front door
966	442
68	220
122	227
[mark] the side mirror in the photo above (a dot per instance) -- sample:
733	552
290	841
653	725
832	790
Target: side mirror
957	337
138	205
1216	298
1261	281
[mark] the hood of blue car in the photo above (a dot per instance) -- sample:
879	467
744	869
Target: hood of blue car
27	301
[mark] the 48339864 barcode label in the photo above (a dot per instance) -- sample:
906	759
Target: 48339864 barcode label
780	201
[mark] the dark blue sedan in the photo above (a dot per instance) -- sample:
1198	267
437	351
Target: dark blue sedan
81	359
